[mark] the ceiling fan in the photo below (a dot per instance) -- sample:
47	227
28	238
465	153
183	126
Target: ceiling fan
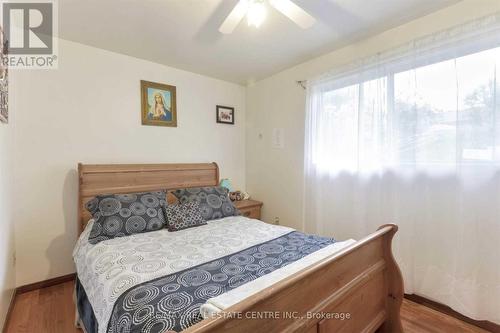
255	10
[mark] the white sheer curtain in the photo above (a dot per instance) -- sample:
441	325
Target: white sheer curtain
412	136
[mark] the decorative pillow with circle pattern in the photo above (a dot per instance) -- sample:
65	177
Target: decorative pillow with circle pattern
184	215
118	215
214	201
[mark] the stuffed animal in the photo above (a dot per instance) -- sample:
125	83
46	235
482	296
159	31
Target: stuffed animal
235	196
238	196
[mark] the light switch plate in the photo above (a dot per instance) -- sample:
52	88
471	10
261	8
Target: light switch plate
278	138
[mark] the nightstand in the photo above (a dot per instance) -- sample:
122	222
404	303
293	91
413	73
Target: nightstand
249	208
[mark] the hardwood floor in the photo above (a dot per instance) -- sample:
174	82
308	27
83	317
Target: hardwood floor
51	310
46	310
419	318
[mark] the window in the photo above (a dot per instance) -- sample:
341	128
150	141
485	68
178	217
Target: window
435	115
412	136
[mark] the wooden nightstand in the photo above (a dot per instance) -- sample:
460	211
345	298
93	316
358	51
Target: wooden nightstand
249	208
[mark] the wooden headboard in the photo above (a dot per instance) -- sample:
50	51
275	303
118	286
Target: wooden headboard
95	179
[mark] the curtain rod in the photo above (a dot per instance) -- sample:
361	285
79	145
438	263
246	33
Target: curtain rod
302	83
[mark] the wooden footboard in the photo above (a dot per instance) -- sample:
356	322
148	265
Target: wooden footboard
359	289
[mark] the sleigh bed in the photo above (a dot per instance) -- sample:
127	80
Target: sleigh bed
356	288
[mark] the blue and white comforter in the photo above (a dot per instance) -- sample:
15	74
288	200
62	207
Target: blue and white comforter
158	281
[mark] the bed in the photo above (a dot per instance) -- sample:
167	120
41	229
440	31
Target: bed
349	286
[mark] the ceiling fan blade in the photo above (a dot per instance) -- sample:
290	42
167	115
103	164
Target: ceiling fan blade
234	17
294	13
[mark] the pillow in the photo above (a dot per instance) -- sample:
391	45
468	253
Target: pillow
214	201
118	215
171	199
183	216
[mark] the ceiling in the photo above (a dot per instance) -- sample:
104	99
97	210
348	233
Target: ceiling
184	33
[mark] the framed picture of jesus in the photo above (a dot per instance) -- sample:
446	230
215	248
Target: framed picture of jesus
159	107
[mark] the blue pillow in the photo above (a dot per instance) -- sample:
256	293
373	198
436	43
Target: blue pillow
213	201
118	215
184	215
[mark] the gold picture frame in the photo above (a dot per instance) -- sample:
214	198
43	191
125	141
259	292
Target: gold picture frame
158	104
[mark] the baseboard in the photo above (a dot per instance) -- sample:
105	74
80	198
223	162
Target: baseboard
9	310
45	284
484	324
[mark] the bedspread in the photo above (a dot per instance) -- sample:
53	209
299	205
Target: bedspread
110	268
173	302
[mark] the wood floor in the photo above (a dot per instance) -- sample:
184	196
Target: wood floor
51	310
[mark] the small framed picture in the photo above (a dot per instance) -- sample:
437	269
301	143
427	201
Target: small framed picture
225	114
158	104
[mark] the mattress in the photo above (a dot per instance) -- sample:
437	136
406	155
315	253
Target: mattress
164	280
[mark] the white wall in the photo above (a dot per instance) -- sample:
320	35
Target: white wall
275	176
7	270
89	111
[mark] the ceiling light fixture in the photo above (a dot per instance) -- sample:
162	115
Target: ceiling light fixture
256	13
